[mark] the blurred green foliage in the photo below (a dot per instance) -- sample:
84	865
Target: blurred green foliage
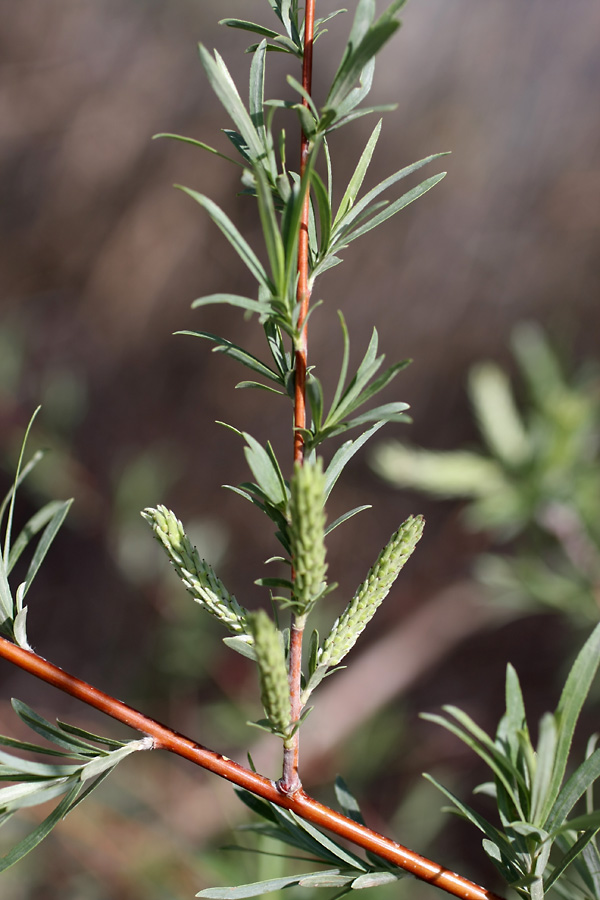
535	487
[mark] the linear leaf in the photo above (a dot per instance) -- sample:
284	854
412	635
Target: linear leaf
25	471
569	706
574	788
237	353
32	840
388	182
13	494
343	455
249	890
395	207
48	535
562	864
224	87
248	303
355	183
200	144
249	26
344	518
239	244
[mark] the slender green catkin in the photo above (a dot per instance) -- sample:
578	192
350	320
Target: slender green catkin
197	575
307	533
274	686
371	593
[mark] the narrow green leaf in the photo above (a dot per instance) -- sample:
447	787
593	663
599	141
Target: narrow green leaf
90	736
574	788
490	831
567	712
224	87
345	516
249	26
344	454
33	526
13	494
347	801
239	244
395	207
331	878
45	542
355	183
545	753
249	890
237	353
75	746
266	473
375	879
272	236
32	840
25	471
7	606
199	144
324	208
353	214
562	864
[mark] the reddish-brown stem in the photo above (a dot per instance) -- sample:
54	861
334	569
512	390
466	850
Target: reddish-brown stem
290	780
300	803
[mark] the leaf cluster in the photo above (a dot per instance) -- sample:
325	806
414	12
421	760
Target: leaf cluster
43	525
350	872
548	823
538	483
32	783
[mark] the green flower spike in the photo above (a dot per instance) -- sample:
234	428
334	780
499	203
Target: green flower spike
371	593
307	534
274	688
196	574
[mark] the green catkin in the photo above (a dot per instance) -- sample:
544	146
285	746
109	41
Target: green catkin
371	593
196	574
307	533
274	687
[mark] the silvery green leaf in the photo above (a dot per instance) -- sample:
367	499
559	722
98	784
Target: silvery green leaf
25	471
358	208
75	746
241	643
545	754
20	622
249	890
567	712
345	516
497	415
6	599
574	788
32	840
11	496
45	542
331	878
375	879
266	470
348	803
224	87
200	144
237	353
344	454
33	526
239	244
271	234
109	760
365	41
249	26
565	861
394	207
355	183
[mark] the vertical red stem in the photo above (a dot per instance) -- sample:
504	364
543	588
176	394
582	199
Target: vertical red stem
290	780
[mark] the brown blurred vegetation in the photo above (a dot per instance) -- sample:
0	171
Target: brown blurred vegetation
100	259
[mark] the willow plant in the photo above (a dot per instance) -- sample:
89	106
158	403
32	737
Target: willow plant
304	234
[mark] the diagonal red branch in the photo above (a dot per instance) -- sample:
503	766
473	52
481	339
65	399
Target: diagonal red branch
301	804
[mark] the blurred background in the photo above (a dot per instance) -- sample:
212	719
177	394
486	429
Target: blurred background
100	259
